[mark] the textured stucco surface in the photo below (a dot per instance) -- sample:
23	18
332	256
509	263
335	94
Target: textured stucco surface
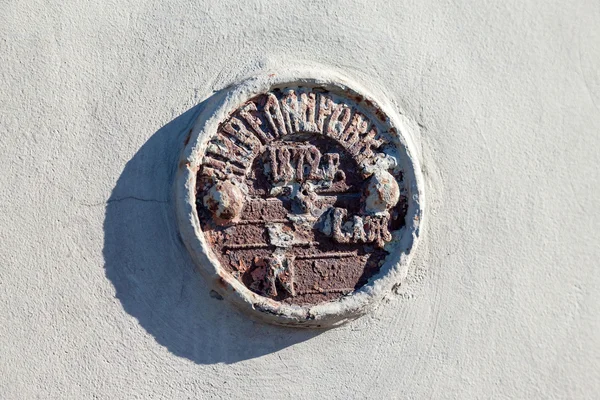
98	298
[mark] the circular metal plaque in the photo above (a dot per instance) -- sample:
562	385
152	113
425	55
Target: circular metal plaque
300	198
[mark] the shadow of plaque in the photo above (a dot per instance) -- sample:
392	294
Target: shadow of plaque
154	277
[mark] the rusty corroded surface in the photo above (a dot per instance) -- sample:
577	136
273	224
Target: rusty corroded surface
299	192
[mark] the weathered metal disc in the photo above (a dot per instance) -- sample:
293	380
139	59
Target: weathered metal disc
300	198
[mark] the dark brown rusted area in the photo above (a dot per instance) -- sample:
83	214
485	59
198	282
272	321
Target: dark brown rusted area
267	191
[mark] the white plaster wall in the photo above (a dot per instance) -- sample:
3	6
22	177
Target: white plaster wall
98	298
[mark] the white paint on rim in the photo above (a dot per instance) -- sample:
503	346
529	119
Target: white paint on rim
327	314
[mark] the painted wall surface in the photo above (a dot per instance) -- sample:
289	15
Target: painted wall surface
99	299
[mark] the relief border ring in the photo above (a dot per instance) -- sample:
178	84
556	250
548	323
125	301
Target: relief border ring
329	314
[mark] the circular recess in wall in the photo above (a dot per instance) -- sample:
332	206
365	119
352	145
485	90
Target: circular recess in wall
300	198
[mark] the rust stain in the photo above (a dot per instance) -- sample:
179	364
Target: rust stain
221	282
356	97
184	163
382	117
187	138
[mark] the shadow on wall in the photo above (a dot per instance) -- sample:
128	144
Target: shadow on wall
155	278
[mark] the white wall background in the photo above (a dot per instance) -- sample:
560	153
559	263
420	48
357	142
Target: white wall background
98	298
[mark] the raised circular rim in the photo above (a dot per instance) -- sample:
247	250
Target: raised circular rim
322	315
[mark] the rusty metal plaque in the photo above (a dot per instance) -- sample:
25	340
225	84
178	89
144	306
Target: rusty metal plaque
302	196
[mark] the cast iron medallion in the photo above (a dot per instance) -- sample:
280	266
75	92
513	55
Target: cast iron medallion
302	188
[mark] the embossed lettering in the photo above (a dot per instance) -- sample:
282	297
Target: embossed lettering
274	115
338	121
248	113
326	107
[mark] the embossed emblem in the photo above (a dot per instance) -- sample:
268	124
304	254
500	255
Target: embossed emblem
300	194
